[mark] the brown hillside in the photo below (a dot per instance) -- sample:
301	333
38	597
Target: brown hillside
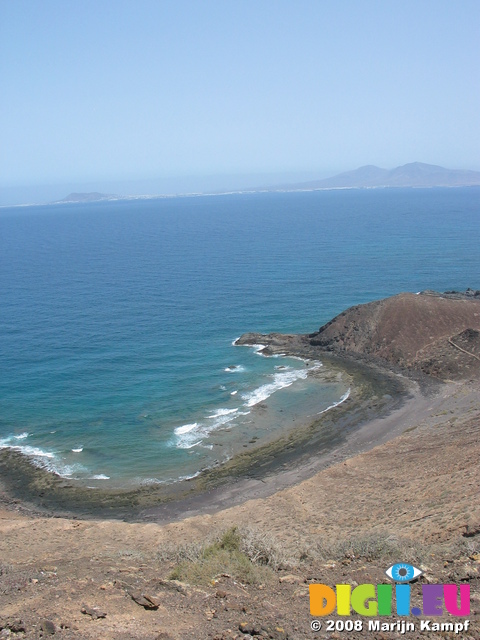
436	334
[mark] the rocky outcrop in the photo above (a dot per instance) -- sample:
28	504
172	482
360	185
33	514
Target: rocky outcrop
272	343
403	329
435	333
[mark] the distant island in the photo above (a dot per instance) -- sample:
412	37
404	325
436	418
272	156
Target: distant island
87	197
414	174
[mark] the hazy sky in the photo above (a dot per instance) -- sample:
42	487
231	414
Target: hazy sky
124	90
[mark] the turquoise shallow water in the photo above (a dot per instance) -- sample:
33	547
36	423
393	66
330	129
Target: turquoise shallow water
117	318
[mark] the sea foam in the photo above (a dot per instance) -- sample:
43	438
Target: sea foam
280	381
223	412
40	458
345	396
186	428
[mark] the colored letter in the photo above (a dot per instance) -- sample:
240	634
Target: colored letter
343	599
384	592
360	595
432	599
320	593
402	594
450	595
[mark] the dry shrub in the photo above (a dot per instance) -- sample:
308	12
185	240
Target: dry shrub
248	555
465	546
371	547
264	549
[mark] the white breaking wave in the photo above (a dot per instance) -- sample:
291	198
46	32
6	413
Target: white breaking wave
8	443
150	481
280	381
186	428
191	435
188	442
258	348
223	412
43	459
32	452
187	435
79	450
345	396
222	419
100	476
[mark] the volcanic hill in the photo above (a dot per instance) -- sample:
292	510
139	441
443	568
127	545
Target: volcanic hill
438	334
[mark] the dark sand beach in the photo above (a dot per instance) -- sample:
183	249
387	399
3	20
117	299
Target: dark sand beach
313	442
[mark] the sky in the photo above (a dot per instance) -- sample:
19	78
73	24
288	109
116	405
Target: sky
184	94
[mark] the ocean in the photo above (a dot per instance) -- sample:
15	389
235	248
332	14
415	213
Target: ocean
117	318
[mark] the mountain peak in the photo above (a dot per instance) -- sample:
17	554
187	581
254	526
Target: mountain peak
413	174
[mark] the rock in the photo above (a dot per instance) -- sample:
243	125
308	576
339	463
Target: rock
174	585
221	594
144	600
245	627
13	626
48	627
291	579
93	612
250	628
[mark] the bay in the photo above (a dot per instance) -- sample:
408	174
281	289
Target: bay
117	318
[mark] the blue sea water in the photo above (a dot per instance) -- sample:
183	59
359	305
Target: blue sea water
117	318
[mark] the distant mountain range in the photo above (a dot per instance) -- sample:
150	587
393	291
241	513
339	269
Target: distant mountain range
414	174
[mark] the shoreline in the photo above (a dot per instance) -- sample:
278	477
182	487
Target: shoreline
389	475
378	396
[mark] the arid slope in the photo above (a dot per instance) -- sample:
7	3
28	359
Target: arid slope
438	335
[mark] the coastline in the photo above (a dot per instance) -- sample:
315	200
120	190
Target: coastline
377	397
389	474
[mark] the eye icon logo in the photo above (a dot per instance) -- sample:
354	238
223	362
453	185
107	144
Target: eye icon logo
402	572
